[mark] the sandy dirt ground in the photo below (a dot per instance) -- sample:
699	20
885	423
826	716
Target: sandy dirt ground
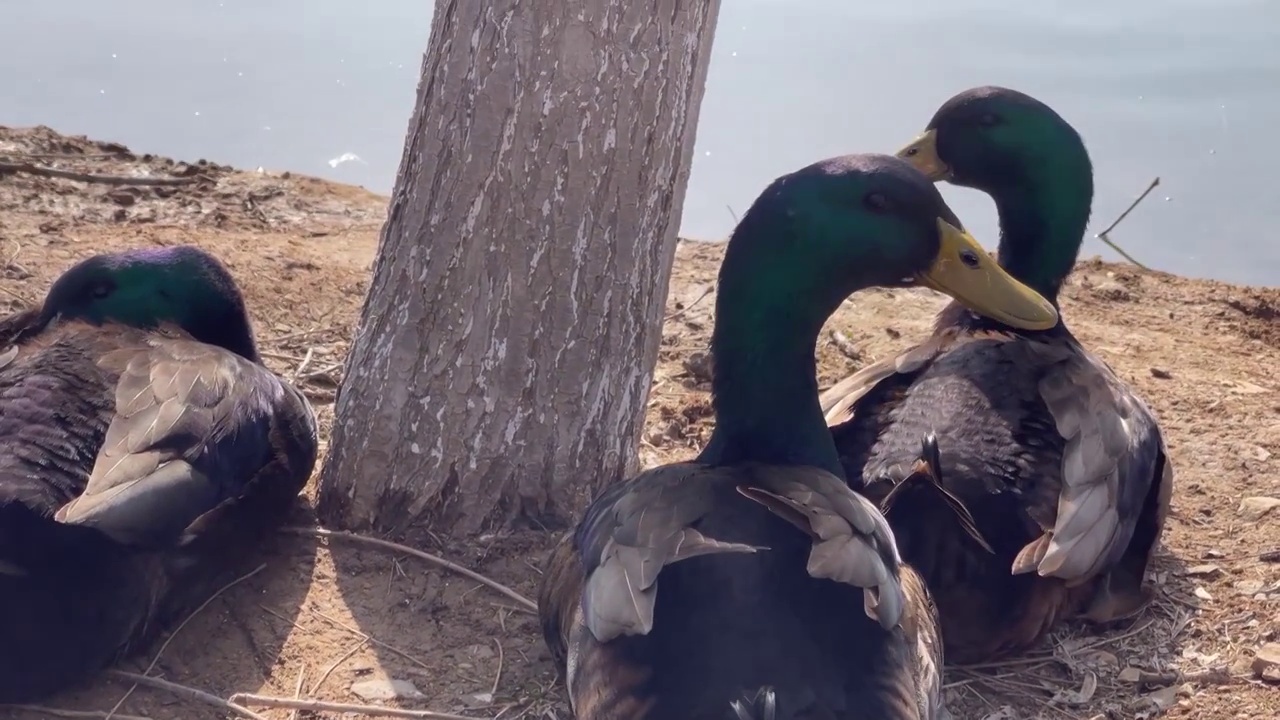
331	619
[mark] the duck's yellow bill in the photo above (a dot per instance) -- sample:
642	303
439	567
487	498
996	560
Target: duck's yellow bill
967	273
923	154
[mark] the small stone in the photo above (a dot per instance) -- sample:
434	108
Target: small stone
1161	373
1266	662
123	197
1130	674
481	652
1164	698
1202	593
1100	658
1244	387
1209	570
386	689
1112	290
1249	586
1253	509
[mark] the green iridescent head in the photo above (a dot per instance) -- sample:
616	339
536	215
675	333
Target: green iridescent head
181	285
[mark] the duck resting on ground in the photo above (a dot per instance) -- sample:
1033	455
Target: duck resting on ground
752	582
144	451
1062	466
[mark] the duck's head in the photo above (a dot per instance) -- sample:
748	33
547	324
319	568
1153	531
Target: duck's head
181	285
990	137
1030	161
819	234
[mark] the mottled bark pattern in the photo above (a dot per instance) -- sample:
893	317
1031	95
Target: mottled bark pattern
509	337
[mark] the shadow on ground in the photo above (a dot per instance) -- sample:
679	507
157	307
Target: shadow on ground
232	645
466	647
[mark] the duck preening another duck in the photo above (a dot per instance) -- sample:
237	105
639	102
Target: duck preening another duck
1061	464
144	450
782	594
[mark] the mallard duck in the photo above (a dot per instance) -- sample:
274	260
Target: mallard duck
1060	463
781	588
144	449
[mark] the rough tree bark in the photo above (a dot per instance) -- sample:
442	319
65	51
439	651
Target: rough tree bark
508	340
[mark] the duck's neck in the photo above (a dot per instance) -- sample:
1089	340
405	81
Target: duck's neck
765	388
1043	218
234	334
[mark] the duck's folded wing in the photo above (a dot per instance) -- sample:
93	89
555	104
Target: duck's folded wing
634	530
840	401
1112	454
852	541
194	424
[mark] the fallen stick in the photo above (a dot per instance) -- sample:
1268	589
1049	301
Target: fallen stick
436	560
59	712
268	701
186	692
41	171
1103	235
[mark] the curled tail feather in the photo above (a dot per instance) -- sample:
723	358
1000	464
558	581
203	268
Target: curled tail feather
927	472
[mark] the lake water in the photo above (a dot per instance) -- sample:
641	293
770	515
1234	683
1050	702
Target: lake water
1187	90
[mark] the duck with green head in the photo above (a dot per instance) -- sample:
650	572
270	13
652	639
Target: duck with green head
144	451
1061	464
782	594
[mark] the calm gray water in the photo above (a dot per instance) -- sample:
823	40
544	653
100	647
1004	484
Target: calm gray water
1188	90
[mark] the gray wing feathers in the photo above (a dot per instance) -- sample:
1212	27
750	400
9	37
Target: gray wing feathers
650	529
172	400
1109	460
619	596
853	543
839	400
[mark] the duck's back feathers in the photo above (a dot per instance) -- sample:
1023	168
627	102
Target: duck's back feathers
190	420
653	522
1062	466
137	468
644	633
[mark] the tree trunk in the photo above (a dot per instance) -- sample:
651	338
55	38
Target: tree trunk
508	340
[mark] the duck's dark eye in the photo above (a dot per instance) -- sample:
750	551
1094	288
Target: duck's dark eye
970	259
876	202
989	120
100	290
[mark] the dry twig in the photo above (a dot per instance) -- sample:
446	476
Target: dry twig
1103	235
689	307
371	639
156	658
322	706
41	171
301	334
186	692
43	711
334	665
297	690
493	691
845	346
436	560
